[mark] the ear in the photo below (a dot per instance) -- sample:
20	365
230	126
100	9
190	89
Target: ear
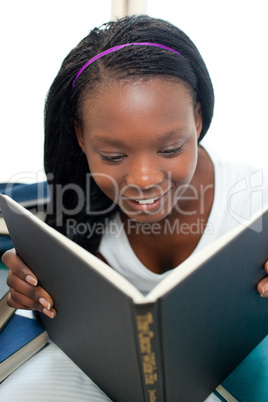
198	119
79	135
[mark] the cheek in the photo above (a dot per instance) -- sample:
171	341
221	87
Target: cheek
182	169
105	178
107	184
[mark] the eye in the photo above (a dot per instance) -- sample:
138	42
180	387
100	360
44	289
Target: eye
171	152
112	159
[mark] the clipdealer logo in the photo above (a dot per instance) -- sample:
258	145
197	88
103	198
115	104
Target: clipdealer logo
252	187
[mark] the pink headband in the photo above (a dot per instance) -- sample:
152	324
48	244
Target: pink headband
115	48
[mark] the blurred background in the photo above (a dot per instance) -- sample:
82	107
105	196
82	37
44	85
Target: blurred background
37	35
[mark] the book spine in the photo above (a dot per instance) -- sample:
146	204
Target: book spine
149	349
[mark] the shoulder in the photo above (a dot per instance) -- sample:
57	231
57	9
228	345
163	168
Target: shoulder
241	189
233	175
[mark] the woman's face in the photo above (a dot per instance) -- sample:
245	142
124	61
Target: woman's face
140	140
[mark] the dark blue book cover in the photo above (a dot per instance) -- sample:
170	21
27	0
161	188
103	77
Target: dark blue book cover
20	339
27	194
5	244
19	332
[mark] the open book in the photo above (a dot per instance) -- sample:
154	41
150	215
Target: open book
177	343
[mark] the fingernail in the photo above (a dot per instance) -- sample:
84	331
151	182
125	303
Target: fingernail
49	313
31	279
45	303
264	288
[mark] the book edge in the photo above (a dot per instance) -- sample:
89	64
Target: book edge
196	260
6	312
225	394
116	279
95	263
8	366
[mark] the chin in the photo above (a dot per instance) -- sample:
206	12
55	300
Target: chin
148	218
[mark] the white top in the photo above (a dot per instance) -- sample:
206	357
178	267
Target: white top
50	375
240	191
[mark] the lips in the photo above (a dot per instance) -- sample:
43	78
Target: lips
146	204
147	201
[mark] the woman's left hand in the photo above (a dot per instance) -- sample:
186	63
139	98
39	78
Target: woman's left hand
263	284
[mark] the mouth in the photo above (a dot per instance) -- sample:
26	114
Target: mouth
146	204
148	200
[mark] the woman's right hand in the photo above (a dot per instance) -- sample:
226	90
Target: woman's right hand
24	291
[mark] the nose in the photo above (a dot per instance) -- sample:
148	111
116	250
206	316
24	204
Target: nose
144	174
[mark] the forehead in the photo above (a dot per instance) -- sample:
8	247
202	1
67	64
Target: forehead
151	101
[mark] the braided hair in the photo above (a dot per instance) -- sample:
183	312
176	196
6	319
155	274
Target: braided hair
65	164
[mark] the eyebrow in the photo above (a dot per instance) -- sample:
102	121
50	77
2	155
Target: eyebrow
109	140
166	136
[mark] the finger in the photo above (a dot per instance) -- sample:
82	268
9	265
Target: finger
15	263
16	305
266	266
263	287
36	295
20	301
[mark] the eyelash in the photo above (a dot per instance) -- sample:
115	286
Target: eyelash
169	153
112	159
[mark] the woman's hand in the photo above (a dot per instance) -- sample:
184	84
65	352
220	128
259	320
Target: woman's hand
24	292
263	285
